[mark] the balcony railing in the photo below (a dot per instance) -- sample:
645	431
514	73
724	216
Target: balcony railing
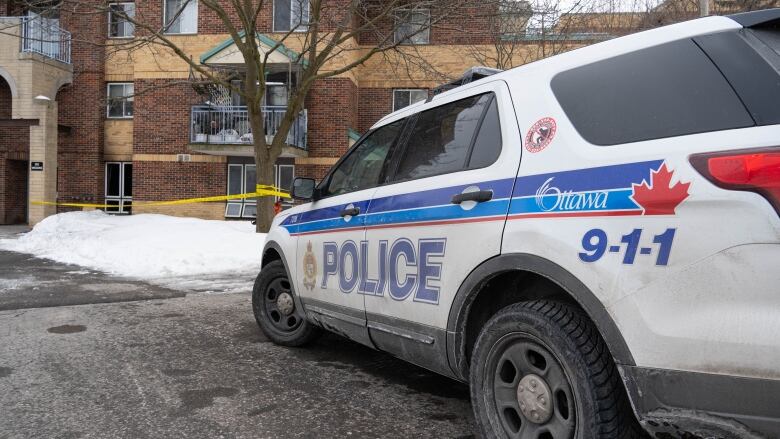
229	125
39	35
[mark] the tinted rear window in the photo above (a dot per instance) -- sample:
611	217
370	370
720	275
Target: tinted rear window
668	90
748	71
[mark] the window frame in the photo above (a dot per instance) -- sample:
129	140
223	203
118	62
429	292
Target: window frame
242	203
110	13
400	150
166	26
123	201
278	182
405	41
300	28
124	100
410	90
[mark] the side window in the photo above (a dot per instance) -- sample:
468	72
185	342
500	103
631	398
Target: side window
363	166
668	90
487	146
440	141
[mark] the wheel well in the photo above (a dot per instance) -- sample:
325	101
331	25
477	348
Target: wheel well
269	256
503	290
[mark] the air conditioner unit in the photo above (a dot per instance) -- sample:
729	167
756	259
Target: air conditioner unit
184	158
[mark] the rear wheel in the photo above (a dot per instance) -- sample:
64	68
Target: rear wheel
276	310
540	370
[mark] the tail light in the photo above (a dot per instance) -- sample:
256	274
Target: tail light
753	170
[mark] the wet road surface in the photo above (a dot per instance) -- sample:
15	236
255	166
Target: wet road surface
83	354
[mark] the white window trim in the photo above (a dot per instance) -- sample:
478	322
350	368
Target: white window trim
127	37
298	28
234	203
108	96
249	202
406	41
278	182
410	95
165	25
121	198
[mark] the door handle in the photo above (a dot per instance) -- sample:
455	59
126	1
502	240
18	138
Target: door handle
351	211
478	196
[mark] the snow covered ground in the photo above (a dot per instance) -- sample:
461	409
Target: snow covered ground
183	253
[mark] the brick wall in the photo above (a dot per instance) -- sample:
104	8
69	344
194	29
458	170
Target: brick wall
311	171
161	127
155	181
161	119
82	109
14	144
374	103
467	22
151	11
332	108
12	139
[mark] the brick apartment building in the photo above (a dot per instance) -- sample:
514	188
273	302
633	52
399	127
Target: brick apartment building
82	123
67	134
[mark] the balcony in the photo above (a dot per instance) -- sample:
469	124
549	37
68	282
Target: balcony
215	126
39	35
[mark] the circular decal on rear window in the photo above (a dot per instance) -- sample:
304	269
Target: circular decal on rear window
540	135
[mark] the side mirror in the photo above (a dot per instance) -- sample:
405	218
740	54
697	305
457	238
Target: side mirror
303	189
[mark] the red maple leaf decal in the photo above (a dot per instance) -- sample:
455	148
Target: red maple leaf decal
660	197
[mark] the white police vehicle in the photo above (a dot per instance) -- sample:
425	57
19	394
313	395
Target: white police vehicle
590	240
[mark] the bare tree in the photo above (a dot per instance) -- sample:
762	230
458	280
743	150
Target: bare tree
529	30
331	38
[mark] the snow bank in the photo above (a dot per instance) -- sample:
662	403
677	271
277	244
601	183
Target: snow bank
145	246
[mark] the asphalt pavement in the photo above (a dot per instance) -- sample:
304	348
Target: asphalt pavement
87	355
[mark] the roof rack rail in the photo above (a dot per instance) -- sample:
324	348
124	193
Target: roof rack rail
470	75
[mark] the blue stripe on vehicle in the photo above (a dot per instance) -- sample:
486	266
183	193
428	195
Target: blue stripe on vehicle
437	197
612	184
438	213
614	200
589	179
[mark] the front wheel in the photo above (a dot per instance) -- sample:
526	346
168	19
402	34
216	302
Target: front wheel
540	370
276	310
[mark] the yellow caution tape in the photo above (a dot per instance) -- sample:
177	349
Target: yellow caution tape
260	191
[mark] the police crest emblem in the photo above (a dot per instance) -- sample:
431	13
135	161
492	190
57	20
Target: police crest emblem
309	268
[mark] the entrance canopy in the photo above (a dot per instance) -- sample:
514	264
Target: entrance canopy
226	53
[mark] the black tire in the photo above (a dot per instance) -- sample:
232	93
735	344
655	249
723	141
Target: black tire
561	359
283	329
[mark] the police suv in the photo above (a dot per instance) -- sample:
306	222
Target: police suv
592	241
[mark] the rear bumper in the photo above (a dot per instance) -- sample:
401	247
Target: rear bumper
690	404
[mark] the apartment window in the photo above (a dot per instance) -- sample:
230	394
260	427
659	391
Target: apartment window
404	98
242	179
120	100
181	16
291	15
118	26
119	187
413	26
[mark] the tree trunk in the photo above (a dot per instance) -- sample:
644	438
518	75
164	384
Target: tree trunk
264	165
265	205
